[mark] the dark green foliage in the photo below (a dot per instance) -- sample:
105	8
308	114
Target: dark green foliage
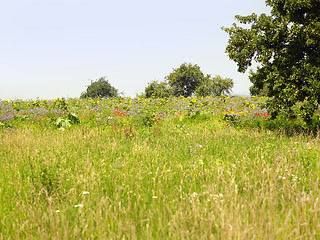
215	86
222	86
158	90
49	180
185	79
188	80
100	88
286	44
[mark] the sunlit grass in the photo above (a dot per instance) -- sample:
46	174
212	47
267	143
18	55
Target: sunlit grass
177	179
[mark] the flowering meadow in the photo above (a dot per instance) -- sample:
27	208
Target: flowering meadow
176	168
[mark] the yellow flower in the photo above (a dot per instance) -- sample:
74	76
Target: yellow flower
194	100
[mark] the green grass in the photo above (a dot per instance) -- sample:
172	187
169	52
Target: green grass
190	179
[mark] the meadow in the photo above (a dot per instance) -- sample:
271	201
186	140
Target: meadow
178	168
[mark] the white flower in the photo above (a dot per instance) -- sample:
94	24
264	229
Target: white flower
84	193
155	197
78	205
57	211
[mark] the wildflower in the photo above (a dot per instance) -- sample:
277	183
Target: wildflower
57	211
85	193
78	205
155	197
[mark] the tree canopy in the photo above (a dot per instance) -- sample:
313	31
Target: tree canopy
188	80
100	88
215	86
185	79
157	89
286	44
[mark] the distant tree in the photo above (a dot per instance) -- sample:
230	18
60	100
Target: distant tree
100	88
286	44
157	89
205	88
222	86
215	86
184	80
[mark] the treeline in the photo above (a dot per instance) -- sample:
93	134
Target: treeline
187	80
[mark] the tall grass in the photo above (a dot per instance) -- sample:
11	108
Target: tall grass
195	179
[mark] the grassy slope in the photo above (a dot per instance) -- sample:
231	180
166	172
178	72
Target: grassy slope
199	180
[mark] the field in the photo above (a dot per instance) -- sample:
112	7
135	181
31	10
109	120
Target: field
196	168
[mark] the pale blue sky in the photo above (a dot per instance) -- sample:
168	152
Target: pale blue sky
52	48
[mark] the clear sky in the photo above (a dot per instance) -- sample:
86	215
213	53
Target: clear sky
53	48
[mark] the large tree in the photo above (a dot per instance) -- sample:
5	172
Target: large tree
100	88
286	44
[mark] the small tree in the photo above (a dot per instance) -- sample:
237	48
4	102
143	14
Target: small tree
100	88
157	89
215	86
222	86
184	80
188	80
